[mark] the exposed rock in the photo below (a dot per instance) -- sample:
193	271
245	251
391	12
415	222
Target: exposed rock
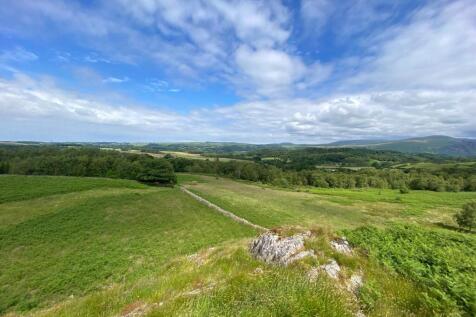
271	248
332	269
355	283
301	255
341	245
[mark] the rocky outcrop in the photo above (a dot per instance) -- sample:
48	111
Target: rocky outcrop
332	269
355	283
341	245
271	248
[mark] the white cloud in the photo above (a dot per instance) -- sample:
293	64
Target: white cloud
94	58
365	115
34	99
18	54
192	40
115	80
272	72
416	78
435	50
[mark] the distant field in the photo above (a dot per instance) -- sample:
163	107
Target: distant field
338	208
63	236
435	166
15	188
196	156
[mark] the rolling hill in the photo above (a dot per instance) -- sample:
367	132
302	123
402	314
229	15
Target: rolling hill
435	144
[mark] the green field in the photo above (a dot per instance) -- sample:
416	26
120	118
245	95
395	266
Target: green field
337	208
101	247
77	235
16	188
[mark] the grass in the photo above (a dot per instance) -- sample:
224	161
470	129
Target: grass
436	166
98	238
197	156
16	188
441	261
336	208
111	250
226	281
414	202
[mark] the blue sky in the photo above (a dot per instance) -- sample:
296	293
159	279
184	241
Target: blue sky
249	71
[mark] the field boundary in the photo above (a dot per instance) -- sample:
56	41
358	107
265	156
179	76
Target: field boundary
222	211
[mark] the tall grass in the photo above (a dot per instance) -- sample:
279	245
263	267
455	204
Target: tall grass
440	261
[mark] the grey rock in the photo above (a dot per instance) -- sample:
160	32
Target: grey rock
341	245
271	248
355	283
332	269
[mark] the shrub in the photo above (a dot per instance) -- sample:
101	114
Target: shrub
466	218
441	262
404	190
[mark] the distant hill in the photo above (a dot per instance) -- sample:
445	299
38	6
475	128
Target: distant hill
435	144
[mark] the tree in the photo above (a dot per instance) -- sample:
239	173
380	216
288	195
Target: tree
404	189
157	171
466	218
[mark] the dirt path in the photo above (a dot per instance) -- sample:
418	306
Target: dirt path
221	210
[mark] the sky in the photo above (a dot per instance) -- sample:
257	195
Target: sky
309	71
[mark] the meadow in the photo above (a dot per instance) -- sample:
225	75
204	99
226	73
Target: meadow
70	236
337	208
108	247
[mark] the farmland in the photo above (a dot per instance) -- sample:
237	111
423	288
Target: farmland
64	244
338	208
96	246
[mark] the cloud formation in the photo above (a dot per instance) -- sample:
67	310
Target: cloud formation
384	73
386	114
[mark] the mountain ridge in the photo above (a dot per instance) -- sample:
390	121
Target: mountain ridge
434	144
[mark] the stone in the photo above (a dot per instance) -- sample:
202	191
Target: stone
271	248
355	283
341	245
332	269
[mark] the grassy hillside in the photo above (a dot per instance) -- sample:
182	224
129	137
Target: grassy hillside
119	248
435	144
337	208
54	245
16	188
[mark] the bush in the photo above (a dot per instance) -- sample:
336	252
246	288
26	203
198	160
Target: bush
441	262
466	218
404	190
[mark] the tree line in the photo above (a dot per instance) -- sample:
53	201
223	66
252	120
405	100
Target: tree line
309	158
83	161
338	178
93	162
